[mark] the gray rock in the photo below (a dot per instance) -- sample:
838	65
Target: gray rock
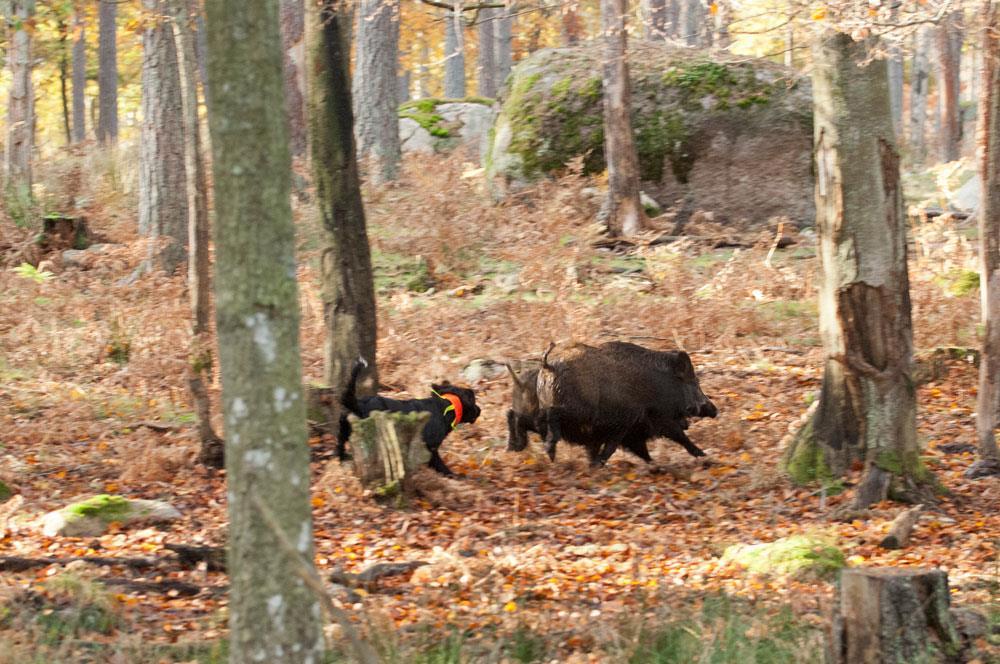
414	138
459	125
74	258
651	207
91	517
483	369
967	197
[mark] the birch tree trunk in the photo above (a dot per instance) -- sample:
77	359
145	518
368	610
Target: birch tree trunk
919	81
454	53
273	616
163	203
504	53
293	31
988	397
20	103
867	407
107	74
79	78
348	291
487	54
949	42
625	214
376	88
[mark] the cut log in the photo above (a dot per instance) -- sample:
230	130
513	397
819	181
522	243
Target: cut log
902	526
892	615
387	448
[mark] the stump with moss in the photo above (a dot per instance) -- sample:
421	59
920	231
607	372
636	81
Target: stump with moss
387	448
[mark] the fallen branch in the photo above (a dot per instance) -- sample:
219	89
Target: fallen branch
19	564
213	556
369	578
166	587
901	528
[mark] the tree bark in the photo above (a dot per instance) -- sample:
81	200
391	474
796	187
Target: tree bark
273	616
423	69
892	615
691	20
21	103
163	201
348	292
487	52
895	71
79	78
626	216
293	31
454	53
107	74
504	53
867	408
655	19
64	79
949	42
723	17
375	88
919	80
386	449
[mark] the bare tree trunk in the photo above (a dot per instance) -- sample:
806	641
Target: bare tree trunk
867	407
64	78
107	74
163	202
293	32
949	40
988	397
655	19
273	615
692	20
487	53
348	291
626	216
21	102
895	69
504	54
423	69
454	53
375	88
919	80
199	369
79	78
673	19
403	87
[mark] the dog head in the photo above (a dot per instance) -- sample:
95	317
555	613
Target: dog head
470	411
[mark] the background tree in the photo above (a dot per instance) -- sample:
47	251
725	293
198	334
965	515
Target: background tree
949	51
273	617
919	84
454	53
487	71
503	46
867	405
375	83
348	292
79	75
64	74
293	32
625	213
107	73
163	202
21	103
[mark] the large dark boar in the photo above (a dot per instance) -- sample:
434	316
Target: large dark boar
619	395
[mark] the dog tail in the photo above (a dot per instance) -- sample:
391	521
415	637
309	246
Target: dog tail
349	398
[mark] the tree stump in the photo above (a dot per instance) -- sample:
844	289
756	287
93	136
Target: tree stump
892	615
386	449
62	232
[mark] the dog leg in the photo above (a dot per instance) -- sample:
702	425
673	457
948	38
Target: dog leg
438	464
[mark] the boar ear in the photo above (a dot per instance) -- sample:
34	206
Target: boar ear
513	375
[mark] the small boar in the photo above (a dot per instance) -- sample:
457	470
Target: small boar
619	395
524	414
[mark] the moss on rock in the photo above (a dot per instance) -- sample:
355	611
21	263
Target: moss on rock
5	491
424	113
104	507
797	556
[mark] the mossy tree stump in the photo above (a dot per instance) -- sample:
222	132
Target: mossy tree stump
892	615
386	449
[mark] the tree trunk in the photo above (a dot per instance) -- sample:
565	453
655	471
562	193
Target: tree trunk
21	103
423	69
79	78
626	216
375	88
723	17
293	31
504	54
163	202
487	53
201	49
655	19
454	64
895	71
348	292
988	397
867	408
949	41
64	79
892	615
919	80
199	369
386	449
673	19
273	616
107	74
692	20
571	25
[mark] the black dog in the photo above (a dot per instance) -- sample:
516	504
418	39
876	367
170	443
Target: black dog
448	406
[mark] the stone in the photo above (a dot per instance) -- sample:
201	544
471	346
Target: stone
651	207
483	369
414	138
430	125
967	197
93	516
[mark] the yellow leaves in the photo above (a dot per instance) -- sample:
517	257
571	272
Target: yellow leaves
818	13
111	487
317	501
745	457
713	8
76	394
510	607
856	560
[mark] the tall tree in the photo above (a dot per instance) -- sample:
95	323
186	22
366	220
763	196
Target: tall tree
949	43
293	32
988	397
867	405
79	76
655	19
107	72
692	22
503	33
723	13
348	292
919	82
376	88
273	616
486	23
21	101
454	53
625	213
64	75
571	23
163	203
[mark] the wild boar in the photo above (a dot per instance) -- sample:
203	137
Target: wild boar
524	414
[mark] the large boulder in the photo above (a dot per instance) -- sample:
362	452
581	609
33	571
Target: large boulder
93	516
441	125
733	135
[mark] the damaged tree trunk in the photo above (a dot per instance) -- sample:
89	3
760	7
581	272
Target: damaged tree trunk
387	448
867	409
892	615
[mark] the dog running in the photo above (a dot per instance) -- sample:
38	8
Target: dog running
448	405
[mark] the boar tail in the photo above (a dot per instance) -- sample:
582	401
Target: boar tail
513	375
349	399
545	357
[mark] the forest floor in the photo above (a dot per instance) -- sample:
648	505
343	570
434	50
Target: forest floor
527	560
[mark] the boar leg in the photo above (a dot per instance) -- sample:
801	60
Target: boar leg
553	432
517	432
675	431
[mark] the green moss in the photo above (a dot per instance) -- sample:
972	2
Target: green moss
5	491
798	555
104	507
804	462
